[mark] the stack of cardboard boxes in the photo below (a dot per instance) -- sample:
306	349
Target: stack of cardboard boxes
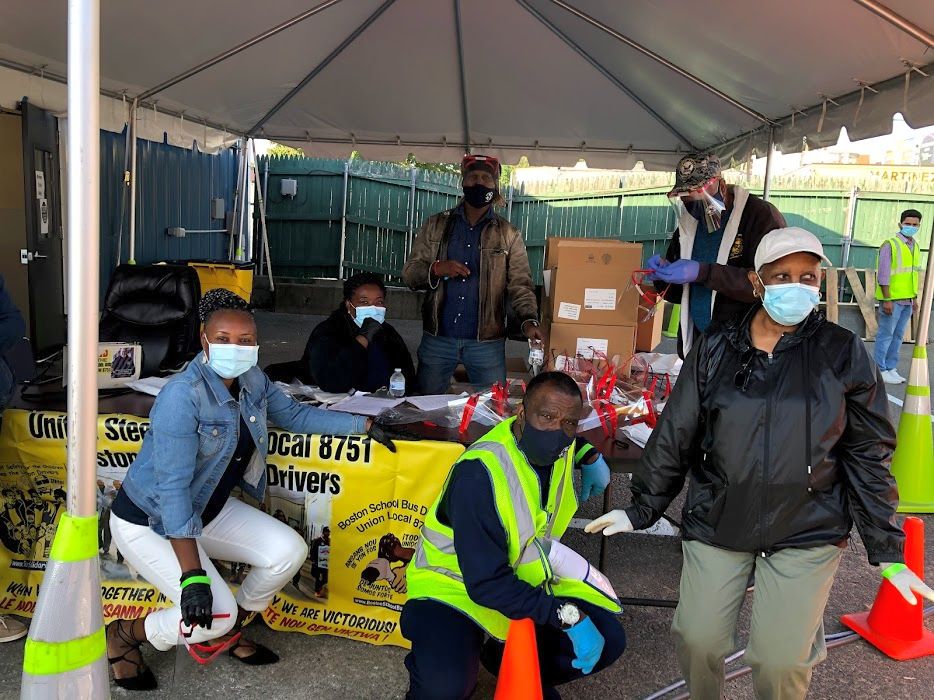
589	304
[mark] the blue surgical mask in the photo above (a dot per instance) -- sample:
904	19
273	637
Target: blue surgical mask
543	447
909	230
362	313
790	304
230	361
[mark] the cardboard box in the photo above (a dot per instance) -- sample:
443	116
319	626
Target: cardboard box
587	281
572	339
649	333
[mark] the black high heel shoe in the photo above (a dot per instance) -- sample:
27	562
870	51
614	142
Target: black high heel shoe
144	678
263	656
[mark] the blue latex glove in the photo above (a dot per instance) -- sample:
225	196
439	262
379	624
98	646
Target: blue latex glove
655	263
594	478
588	644
679	272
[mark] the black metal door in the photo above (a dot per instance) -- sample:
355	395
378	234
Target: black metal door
43	228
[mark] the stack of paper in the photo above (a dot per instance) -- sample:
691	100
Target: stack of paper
148	385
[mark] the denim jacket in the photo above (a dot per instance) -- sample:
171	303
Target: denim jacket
193	433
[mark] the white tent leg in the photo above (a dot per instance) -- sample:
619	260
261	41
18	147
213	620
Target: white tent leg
132	128
262	219
767	180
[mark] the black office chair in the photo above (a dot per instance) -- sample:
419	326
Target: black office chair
155	306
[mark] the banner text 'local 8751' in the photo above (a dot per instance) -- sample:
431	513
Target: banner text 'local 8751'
359	507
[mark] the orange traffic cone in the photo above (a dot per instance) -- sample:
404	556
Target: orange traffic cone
519	675
893	625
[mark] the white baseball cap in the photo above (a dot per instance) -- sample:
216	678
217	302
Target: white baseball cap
785	241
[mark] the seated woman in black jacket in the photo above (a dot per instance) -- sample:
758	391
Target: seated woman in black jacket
354	348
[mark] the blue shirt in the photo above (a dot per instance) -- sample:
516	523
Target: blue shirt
706	247
460	313
193	434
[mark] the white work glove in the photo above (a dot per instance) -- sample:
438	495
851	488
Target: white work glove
610	523
906	582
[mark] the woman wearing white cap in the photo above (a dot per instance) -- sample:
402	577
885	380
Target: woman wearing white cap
780	424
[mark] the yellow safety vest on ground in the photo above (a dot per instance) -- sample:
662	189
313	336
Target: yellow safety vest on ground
435	572
906	264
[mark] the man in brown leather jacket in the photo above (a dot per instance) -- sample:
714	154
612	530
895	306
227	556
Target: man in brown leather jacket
472	262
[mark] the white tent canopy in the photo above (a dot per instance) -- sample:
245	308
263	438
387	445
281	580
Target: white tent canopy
612	81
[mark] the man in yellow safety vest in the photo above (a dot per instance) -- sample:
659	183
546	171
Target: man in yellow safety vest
899	265
490	553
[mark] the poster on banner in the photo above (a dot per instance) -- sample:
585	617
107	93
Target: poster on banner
357	505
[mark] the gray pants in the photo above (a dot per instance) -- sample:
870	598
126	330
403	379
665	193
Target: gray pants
786	637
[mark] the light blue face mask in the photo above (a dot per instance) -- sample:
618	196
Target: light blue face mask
362	313
230	361
790	304
909	230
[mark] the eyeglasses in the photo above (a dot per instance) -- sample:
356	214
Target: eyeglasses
741	378
650	298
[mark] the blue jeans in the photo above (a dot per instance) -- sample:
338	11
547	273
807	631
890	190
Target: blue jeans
485	361
889	337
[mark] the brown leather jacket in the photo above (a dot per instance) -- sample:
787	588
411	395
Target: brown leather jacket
505	276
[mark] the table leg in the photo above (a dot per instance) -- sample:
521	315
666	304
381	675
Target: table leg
607	495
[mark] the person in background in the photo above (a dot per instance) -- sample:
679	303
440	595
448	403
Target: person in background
706	267
472	263
898	267
12	327
354	348
780	423
320	560
490	552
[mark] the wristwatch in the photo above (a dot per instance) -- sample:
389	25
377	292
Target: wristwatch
568	615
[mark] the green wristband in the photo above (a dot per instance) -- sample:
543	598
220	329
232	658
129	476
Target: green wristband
199	579
892	570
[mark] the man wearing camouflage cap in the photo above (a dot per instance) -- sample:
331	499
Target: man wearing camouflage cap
471	262
712	249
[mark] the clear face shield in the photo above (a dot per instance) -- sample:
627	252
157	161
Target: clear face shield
704	200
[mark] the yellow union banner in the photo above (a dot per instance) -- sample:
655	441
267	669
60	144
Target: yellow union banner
357	505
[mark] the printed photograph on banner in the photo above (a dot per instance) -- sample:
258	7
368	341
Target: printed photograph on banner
113	565
29	512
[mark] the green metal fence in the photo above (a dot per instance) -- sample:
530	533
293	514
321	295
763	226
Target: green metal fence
375	209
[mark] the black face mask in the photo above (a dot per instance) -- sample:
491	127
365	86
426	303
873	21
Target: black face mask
543	447
478	196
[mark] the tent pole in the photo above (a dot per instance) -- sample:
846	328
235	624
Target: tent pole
465	111
896	20
262	219
659	59
927	295
133	118
237	49
600	68
413	174
340	269
321	66
767	180
84	259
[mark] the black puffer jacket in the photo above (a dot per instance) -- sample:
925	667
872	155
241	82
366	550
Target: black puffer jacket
783	450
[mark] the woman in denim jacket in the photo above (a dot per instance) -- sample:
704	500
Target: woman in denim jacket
174	512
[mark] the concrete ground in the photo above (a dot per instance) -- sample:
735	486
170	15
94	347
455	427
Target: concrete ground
327	668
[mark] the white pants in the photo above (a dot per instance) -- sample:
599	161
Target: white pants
239	533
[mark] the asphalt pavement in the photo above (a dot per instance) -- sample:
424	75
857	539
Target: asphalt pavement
326	668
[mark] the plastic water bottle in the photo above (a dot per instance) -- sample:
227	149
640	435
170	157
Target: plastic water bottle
397	384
